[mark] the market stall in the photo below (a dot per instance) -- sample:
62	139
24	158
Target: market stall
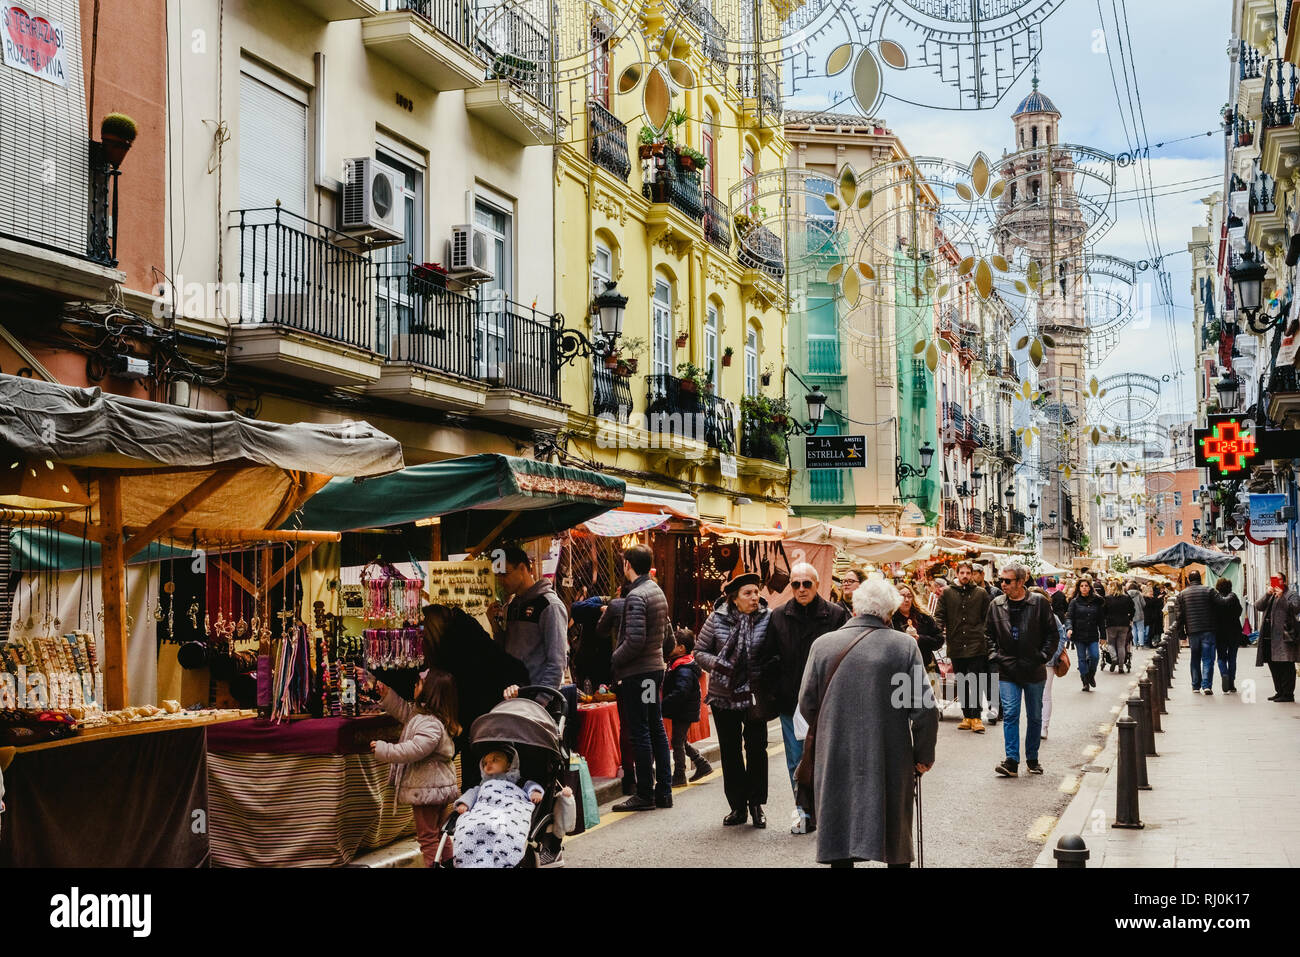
118	475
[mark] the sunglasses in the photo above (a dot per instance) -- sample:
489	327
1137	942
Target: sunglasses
801	585
1008	581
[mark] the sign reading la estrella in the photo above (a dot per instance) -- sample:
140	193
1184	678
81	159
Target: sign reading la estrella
32	43
1229	450
835	452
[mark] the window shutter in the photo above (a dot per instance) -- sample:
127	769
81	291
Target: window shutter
272	148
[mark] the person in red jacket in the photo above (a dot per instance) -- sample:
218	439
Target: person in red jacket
681	706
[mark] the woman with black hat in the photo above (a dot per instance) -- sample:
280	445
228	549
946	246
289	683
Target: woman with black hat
732	650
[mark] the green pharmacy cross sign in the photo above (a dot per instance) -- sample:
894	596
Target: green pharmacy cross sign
1225	448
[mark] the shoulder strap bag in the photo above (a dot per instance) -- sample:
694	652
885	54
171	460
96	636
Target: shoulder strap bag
803	772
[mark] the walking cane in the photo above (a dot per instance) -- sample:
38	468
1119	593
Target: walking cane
920	833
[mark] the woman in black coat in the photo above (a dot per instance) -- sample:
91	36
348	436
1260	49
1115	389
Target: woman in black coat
910	619
1228	636
1085	619
1120	611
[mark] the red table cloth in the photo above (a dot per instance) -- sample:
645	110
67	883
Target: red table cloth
598	734
700	729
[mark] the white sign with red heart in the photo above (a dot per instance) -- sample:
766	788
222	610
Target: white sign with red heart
32	43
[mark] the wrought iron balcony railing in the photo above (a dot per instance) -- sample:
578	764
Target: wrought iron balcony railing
824	355
611	394
673	410
607	140
761	249
517	48
761	439
101	239
304	276
1251	61
717	222
679	188
1278	106
759	81
1284	380
920	379
451	18
1263	195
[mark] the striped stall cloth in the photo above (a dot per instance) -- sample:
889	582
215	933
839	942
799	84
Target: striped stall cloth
295	810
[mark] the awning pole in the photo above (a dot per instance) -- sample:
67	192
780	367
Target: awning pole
113	583
491	536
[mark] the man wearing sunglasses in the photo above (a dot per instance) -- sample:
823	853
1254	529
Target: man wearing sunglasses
1022	638
794	627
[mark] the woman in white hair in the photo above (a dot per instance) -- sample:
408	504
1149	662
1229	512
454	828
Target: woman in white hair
873	726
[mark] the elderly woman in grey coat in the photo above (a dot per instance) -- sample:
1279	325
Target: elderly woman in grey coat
876	726
1279	638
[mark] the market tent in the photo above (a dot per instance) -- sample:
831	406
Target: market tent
478	498
619	522
868	546
1182	554
233	472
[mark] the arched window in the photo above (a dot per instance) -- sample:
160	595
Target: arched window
662	329
747	176
709	150
1033	136
751	362
711	364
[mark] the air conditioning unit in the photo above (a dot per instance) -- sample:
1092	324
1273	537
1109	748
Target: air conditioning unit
372	202
468	253
948	492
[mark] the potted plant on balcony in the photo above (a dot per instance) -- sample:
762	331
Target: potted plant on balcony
117	132
766	375
681	340
727	353
650	142
692	379
627	353
691	159
426	277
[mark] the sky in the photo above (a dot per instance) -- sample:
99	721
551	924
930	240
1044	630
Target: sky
1182	70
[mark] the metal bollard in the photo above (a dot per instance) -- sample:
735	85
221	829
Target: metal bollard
1162	664
1157	700
1136	712
1126	794
1146	693
1071	851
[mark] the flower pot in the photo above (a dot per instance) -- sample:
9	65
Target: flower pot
688	386
686	162
657	148
726	360
115	148
622	369
766	378
681	341
631	364
646	150
611	361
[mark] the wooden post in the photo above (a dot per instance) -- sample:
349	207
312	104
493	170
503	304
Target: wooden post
113	581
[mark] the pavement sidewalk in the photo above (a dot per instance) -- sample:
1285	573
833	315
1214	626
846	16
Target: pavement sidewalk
406	852
1219	756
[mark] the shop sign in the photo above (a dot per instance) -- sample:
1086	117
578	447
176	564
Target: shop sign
912	514
33	43
1225	448
876	529
1236	543
1264	522
727	463
835	452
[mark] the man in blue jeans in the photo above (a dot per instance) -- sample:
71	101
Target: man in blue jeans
1199	608
1022	638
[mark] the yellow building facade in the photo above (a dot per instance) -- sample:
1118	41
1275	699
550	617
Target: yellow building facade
698	253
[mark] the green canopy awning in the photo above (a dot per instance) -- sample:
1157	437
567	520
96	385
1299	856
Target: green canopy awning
476	496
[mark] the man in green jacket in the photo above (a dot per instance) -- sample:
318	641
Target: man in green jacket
962	613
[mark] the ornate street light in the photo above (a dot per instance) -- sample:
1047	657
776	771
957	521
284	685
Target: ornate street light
1247	282
609	307
816	400
904	470
1228	387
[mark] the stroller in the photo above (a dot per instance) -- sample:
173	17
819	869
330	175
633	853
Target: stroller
533	725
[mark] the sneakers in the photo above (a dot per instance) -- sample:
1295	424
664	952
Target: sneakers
636	803
977	725
1008	768
702	770
798	822
963	724
1033	766
1208	691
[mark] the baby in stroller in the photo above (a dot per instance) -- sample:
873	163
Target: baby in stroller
499	823
495	816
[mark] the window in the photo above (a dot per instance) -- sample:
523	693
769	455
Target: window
602	268
751	362
1110	534
394	308
711	363
747	176
1178	500
819	216
1196	526
272	142
1178	528
662	331
600	63
709	150
1033	139
493	295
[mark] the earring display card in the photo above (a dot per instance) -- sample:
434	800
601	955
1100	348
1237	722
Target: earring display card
469	586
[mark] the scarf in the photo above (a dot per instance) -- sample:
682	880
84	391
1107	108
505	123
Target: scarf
736	653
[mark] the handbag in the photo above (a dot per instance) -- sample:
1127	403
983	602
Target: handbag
803	772
1062	666
779	580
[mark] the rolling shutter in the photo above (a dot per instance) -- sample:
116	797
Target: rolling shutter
272	147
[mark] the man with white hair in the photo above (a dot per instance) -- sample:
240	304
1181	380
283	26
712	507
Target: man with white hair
794	627
865	692
1022	638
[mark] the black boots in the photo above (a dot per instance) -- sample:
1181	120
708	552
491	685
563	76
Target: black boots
1092	676
702	770
737	816
679	777
756	812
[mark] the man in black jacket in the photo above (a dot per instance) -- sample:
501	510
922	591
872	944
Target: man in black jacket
1022	638
961	612
791	632
638	664
1198	618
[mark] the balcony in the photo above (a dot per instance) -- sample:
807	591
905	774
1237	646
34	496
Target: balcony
762	256
607	141
759	85
333	10
951	516
1250	62
717	222
761	439
64	247
1012	448
920	380
1284	395
1017	524
518	97
824	355
954	423
305	297
611	394
677	198
679	417
428	39
975	522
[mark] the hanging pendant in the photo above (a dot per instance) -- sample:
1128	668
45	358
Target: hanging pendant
157	611
194	615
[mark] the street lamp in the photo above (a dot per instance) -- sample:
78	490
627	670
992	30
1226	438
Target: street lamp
904	470
816	400
609	307
1228	388
1247	282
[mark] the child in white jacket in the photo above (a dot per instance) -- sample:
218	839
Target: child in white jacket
423	775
